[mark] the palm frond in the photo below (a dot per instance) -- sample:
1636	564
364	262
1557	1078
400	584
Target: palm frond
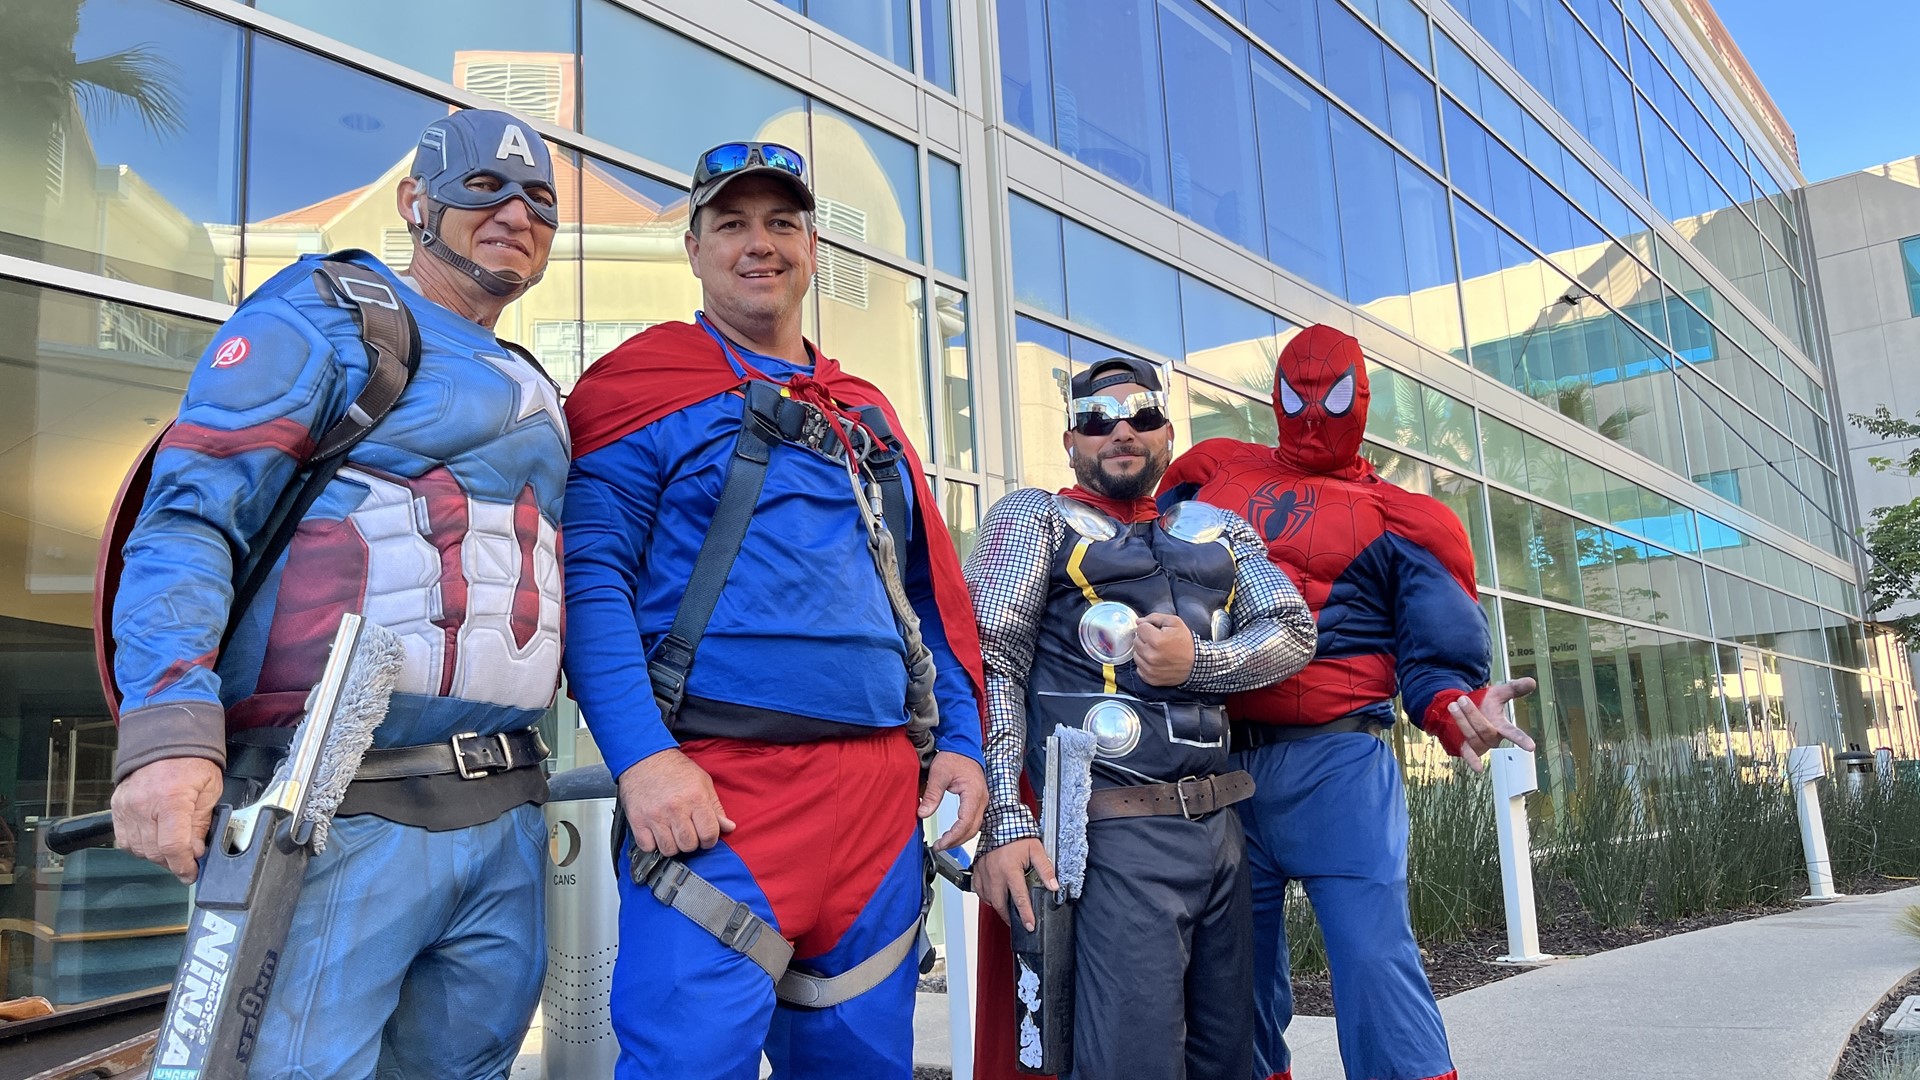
139	78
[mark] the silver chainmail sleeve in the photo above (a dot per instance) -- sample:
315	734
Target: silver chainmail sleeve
1273	632
1008	577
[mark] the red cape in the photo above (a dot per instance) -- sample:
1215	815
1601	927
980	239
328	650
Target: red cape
668	367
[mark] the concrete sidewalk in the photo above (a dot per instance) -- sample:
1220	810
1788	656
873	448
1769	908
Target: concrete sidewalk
1774	997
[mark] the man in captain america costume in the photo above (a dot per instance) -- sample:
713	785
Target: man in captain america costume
765	759
1389	576
1099	612
417	946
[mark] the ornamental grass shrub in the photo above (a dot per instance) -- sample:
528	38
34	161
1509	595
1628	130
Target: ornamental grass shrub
1453	856
1873	826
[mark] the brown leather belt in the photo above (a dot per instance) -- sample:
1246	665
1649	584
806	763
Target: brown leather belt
1190	798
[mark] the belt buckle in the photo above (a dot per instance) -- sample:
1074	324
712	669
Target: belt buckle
1180	789
460	758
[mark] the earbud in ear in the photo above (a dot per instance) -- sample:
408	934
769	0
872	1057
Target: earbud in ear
416	211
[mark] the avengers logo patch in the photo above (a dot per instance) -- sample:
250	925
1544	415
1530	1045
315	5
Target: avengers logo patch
231	352
1278	513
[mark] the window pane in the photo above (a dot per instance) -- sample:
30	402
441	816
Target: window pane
1431	278
1303	227
1024	76
1112	287
866	181
1394	412
1042	372
949	216
1106	73
1910	260
1353	55
1406	24
1216	181
519	53
870	321
1450	434
956	375
878	25
1228	337
1039	265
1412	110
1291	26
634	268
626	59
142	185
299	201
1214	413
1462	495
83	386
1369	216
936	43
960	506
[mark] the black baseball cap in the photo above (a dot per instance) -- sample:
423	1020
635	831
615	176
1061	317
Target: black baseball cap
724	164
1114	371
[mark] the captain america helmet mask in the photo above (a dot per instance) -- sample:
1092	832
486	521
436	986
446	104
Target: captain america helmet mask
481	142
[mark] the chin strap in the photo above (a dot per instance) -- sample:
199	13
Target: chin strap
495	283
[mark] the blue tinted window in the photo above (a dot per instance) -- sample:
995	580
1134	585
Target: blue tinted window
1216	180
1291	26
1023	67
1412	108
878	25
868	182
626	59
1039	267
1910	260
1467	155
1369	213
1406	24
455	40
1112	287
1458	72
936	42
1355	72
1529	52
1512	188
1106	73
1303	229
1423	208
949	216
1227	336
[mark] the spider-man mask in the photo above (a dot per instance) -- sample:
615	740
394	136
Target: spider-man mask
1320	397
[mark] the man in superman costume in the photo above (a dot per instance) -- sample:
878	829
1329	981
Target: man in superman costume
765	751
1389	576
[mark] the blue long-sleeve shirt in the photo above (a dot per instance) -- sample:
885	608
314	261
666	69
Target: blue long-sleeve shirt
803	626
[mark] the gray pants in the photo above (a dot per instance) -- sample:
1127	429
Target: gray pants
1163	943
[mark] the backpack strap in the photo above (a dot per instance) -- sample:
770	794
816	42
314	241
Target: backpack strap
392	340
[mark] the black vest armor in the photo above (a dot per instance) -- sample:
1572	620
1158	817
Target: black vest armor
1178	565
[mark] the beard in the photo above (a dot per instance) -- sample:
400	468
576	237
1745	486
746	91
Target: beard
1092	474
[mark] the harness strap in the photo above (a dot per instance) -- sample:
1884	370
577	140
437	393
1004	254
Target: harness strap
739	929
746	473
392	341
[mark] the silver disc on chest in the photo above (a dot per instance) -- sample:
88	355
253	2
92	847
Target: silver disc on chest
1195	522
1085	520
1115	728
1222	624
1107	632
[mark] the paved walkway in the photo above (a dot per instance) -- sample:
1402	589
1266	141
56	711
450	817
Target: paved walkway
1774	997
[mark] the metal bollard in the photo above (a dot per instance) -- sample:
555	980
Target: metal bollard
1514	777
960	913
1805	766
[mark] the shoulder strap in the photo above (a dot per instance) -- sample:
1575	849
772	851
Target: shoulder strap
746	472
392	340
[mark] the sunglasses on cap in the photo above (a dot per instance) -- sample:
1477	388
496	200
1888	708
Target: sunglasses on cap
1145	410
735	156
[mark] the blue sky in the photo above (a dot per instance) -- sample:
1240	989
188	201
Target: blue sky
1845	72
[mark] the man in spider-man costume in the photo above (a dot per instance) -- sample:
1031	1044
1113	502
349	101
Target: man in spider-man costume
1389	576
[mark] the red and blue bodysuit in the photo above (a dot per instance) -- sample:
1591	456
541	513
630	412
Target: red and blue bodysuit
1389	577
795	704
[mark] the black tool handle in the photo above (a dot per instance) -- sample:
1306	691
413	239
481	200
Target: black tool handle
68	835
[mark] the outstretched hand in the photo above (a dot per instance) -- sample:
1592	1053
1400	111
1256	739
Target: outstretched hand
1484	726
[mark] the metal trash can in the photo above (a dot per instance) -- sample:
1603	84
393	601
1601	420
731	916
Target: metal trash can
583	928
1854	766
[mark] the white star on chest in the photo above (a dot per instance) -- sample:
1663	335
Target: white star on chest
535	393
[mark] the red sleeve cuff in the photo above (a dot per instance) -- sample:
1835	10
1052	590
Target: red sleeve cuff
1439	723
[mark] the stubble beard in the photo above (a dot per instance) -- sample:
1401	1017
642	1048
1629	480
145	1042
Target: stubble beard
1091	474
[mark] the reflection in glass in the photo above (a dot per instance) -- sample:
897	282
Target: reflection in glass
633	265
867	182
879	26
960	506
1024	70
299	201
956	378
1115	288
84	385
520	53
1291	26
949	216
1041	375
1226	336
936	43
1216	413
627	61
121	154
1303	222
1216	179
1039	265
870	320
1106	86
